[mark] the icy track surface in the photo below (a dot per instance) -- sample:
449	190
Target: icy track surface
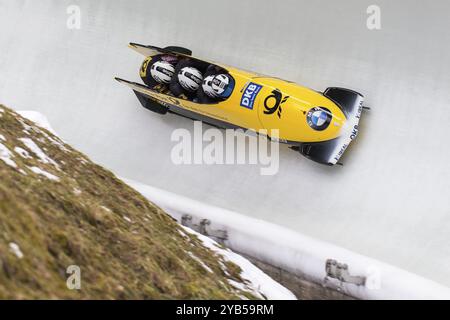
391	199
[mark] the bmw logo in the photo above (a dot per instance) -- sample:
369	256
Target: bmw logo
319	118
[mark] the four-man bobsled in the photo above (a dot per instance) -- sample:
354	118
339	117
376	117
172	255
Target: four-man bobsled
319	125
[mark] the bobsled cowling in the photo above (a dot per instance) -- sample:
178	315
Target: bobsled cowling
318	125
329	152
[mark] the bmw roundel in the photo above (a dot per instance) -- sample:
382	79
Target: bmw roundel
319	118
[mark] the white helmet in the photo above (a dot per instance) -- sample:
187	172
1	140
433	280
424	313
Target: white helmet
162	71
207	87
190	78
220	83
217	86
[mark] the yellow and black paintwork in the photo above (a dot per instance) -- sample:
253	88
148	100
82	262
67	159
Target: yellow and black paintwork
271	103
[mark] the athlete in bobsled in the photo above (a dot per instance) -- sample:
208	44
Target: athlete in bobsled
183	79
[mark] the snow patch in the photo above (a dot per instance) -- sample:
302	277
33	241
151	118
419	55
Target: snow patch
44	173
2	137
38	152
37	118
257	282
83	161
15	249
239	286
6	155
77	191
127	219
200	262
184	235
26	128
56	142
43	122
22	152
106	209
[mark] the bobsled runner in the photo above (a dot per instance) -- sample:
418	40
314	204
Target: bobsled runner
318	125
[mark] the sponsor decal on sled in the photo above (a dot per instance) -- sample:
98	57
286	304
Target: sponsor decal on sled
271	107
249	95
319	118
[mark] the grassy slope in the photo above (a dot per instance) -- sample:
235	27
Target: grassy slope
125	246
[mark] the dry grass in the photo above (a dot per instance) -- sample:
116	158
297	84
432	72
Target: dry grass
126	247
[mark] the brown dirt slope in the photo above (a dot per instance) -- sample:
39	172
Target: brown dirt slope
59	209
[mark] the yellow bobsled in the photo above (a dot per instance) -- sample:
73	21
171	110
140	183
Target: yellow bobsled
319	125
